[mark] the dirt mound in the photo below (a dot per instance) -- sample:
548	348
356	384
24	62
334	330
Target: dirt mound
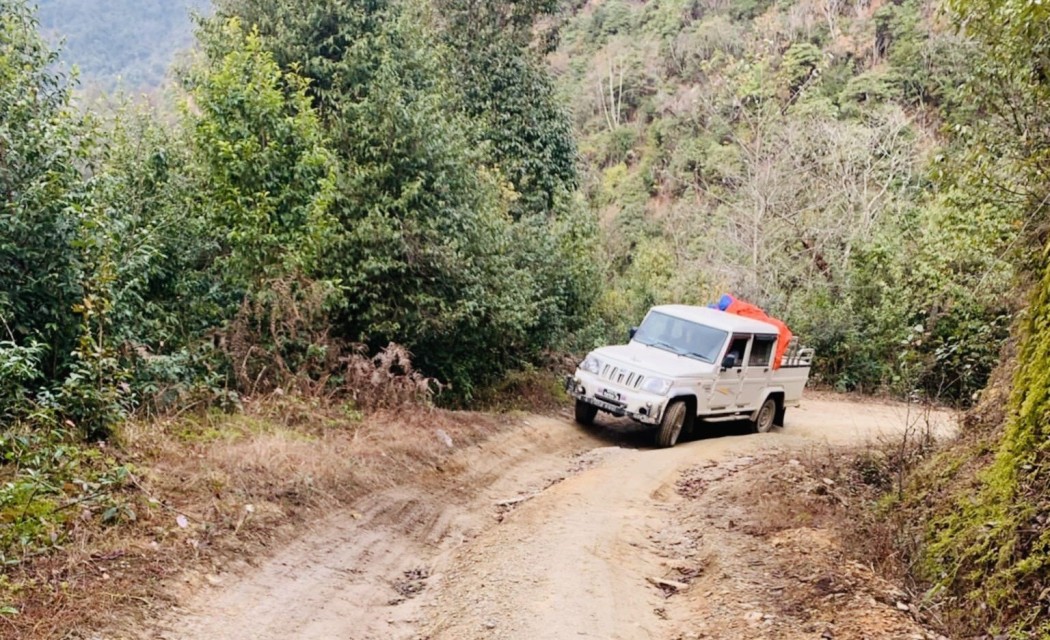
758	579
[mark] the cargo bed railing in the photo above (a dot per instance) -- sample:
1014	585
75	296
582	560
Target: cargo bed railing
797	355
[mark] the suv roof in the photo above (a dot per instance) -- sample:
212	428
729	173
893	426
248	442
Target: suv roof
718	319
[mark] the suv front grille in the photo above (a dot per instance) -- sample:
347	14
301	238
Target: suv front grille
622	376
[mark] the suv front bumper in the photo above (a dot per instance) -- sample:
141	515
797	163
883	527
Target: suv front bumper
643	407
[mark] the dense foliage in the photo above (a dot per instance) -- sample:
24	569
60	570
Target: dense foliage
792	153
988	548
308	200
440	240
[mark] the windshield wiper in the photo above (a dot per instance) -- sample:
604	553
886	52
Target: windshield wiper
660	344
699	356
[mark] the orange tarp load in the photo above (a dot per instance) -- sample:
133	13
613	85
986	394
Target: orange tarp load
730	304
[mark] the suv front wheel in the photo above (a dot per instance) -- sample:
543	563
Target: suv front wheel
671	425
585	413
763	423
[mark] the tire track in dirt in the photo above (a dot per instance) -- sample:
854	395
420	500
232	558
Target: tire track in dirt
579	561
569	554
366	573
574	562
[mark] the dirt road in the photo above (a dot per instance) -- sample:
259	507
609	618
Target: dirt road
555	532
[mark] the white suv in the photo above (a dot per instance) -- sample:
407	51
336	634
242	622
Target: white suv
686	364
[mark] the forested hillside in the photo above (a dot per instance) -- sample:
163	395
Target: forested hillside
794	152
126	42
361	204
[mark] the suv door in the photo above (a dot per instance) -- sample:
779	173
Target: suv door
726	393
757	371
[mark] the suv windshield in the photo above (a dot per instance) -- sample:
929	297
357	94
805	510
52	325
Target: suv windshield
681	336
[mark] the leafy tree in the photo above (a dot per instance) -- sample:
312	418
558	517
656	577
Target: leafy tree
423	247
166	294
801	62
334	45
267	176
43	145
424	252
525	133
506	90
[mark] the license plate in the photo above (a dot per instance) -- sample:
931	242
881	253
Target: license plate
609	395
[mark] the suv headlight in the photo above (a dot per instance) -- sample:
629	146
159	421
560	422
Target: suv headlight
591	365
659	386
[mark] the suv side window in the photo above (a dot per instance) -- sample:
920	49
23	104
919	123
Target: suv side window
738	347
762	351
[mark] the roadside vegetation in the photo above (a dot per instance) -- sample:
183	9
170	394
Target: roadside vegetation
344	215
332	224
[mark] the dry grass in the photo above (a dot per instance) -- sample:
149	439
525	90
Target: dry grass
324	423
210	488
875	501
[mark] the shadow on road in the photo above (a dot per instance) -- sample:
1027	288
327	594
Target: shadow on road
621	432
706	430
624	432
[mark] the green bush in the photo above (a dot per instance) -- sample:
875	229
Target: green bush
45	143
51	483
20	373
802	62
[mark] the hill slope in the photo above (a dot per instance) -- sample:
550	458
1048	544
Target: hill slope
126	42
790	152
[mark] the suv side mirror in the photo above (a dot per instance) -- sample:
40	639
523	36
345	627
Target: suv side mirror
729	361
631	332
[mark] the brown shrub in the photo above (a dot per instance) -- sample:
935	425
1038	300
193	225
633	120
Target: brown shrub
280	342
386	380
280	339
